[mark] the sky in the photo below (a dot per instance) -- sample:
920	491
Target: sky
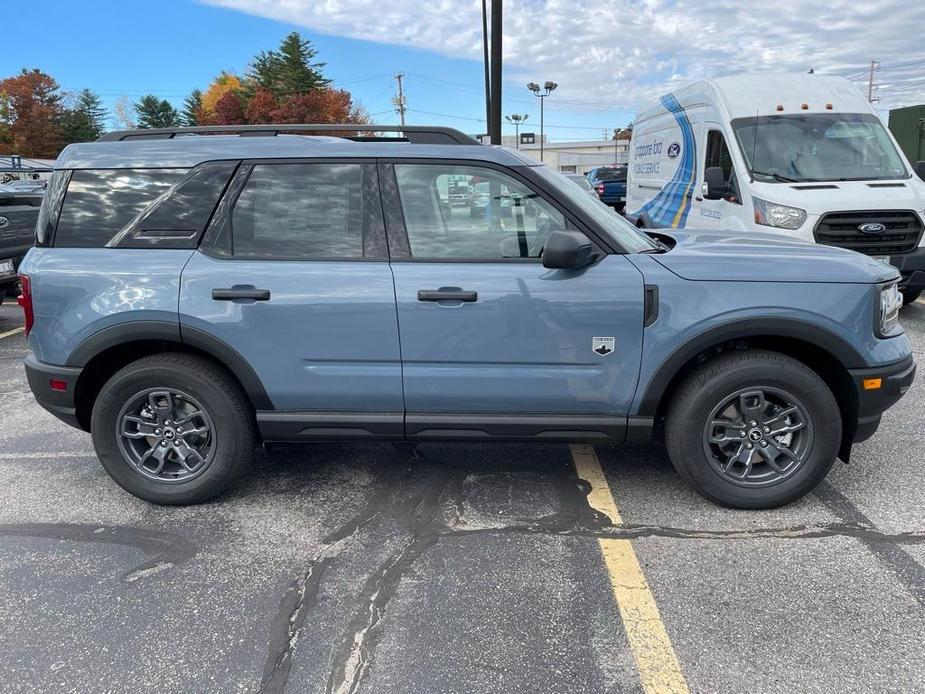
610	57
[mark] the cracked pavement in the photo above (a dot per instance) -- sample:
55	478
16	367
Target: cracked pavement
344	569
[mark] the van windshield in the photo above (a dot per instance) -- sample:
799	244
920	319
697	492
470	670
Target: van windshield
818	147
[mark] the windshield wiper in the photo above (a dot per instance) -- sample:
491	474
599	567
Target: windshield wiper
776	176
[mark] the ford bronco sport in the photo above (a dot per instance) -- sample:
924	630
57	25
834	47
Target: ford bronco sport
197	291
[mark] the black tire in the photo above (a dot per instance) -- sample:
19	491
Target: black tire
692	451
909	296
231	438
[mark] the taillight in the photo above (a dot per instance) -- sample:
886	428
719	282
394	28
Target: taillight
600	188
25	300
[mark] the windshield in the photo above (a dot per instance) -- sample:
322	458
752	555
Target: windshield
623	233
818	147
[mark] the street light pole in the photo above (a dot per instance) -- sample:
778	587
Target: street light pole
547	88
516	119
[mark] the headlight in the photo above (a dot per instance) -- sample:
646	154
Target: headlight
773	215
891	300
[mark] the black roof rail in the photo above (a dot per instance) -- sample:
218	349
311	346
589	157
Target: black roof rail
418	134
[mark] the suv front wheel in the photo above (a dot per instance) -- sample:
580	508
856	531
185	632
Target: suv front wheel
173	429
753	429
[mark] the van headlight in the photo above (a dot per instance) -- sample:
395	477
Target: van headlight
770	214
891	300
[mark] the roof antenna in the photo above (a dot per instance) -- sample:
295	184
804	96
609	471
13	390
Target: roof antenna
751	169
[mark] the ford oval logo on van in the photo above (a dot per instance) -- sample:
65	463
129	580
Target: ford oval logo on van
872	228
4	222
674	149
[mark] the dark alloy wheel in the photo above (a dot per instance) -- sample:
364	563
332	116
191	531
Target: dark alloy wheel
757	437
753	429
173	428
166	434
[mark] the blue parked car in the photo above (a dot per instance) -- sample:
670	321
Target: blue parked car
609	182
193	296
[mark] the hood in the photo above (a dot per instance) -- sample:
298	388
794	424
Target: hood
767	257
827	196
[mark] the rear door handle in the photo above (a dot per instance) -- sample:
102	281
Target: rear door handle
232	293
447	295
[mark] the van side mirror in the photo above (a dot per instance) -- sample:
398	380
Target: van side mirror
714	183
919	169
567	250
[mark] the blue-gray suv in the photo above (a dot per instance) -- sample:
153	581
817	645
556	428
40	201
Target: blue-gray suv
195	292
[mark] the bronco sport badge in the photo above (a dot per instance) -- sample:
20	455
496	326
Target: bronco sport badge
602	345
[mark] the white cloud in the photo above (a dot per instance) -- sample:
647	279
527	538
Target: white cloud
619	54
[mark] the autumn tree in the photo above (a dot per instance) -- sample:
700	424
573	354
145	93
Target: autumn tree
156	113
221	85
319	106
228	110
191	113
31	112
289	70
261	108
83	121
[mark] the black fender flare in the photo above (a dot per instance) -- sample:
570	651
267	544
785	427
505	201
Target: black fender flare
137	331
790	328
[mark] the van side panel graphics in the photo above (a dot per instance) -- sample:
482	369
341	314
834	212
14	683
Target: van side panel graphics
669	208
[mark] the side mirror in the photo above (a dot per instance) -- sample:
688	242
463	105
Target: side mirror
567	250
714	183
919	169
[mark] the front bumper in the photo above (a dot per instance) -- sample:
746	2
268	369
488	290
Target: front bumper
895	380
59	402
912	267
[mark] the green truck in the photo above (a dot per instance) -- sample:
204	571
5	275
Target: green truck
908	127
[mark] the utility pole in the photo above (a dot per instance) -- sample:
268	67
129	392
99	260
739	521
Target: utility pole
494	126
616	141
485	62
399	100
874	66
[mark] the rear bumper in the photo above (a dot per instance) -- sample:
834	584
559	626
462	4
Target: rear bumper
59	402
895	380
912	268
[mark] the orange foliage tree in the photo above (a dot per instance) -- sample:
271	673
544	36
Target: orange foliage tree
31	113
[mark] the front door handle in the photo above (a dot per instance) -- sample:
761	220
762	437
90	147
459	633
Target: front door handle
232	293
447	295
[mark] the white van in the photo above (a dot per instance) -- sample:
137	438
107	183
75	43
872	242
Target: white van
803	155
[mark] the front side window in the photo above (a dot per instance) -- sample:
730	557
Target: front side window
100	202
818	147
301	211
718	155
497	217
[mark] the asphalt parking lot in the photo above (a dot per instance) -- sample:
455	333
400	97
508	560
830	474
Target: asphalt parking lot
469	568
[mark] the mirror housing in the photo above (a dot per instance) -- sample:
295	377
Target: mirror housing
714	183
567	250
919	169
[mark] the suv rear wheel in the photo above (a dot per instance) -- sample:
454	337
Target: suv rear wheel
753	429
173	429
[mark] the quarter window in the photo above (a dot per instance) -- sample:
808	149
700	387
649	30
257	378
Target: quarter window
301	211
99	203
472	213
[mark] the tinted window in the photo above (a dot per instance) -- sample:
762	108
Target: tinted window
177	218
51	207
611	173
502	217
98	203
301	211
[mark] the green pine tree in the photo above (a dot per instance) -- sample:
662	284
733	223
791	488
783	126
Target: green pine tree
191	112
156	113
289	70
83	122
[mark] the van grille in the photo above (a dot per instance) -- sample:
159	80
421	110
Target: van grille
903	231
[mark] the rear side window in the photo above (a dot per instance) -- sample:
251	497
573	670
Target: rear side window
99	203
303	211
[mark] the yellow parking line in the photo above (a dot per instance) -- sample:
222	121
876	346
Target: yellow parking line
10	333
655	658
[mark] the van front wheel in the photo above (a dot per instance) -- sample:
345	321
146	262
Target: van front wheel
753	429
909	296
